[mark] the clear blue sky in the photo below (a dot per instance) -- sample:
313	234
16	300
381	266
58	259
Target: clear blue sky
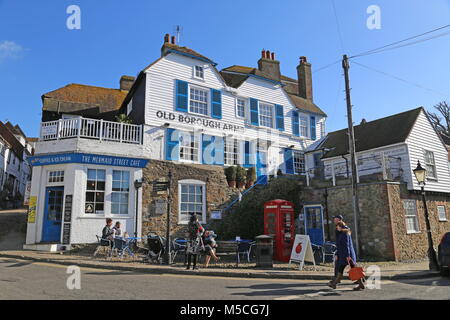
38	53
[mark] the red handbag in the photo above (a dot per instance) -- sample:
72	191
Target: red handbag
356	273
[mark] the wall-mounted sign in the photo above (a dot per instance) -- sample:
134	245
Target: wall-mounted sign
68	208
88	208
26	197
49	130
66	233
217	214
88	159
32	209
160	206
199	121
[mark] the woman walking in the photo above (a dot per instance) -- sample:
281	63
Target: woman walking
345	255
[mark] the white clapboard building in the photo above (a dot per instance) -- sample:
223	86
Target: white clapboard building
88	166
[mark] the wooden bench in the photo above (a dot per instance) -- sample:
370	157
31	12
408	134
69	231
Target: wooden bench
228	248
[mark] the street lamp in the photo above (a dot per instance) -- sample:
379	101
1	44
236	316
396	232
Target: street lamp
420	174
137	185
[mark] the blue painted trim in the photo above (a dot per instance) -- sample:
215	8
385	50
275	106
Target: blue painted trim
88	158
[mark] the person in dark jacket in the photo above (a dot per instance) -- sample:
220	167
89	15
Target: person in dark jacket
195	242
336	220
107	232
345	255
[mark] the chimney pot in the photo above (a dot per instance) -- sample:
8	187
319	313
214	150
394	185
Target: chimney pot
173	40
263	54
166	38
273	56
267	54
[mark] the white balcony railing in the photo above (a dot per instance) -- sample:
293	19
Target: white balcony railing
91	129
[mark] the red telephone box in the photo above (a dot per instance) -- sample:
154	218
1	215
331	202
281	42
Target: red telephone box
279	223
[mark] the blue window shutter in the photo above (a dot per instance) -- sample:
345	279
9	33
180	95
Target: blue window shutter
181	95
219	151
295	124
289	161
172	144
279	117
312	124
247	155
208	149
216	104
254	116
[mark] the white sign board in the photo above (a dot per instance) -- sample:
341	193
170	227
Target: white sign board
51	130
216	215
302	251
26	197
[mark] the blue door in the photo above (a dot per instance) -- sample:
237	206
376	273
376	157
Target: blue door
261	166
51	230
314	224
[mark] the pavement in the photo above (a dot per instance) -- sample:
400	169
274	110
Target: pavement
29	280
388	270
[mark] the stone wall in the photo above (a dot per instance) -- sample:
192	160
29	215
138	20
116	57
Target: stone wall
217	193
382	226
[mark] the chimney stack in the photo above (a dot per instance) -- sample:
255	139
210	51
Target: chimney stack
173	40
304	79
126	82
269	66
166	38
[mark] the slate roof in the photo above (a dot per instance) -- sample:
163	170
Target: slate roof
170	46
235	75
373	134
81	97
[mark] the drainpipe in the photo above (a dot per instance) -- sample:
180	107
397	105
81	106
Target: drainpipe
137	186
325	195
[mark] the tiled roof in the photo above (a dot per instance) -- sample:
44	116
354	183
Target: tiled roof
169	46
235	75
373	134
105	99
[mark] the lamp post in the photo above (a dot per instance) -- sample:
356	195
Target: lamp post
420	174
167	251
137	185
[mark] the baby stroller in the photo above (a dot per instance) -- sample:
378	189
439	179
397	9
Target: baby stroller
155	248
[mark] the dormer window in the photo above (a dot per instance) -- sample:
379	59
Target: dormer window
198	72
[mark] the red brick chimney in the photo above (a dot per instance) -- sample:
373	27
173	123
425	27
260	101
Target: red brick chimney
304	79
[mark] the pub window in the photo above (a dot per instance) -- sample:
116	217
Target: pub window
266	115
299	162
198	100
191	200
95	191
240	108
412	222
56	176
189	147
120	192
231	151
442	214
199	73
303	125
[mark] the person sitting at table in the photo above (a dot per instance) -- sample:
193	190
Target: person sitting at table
107	232
117	230
210	247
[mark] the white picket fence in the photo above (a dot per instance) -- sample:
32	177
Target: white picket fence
91	129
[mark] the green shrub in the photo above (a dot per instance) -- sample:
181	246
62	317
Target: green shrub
230	173
241	174
251	174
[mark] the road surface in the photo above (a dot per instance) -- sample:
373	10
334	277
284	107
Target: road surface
22	279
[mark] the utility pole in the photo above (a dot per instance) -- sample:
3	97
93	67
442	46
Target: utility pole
351	144
167	255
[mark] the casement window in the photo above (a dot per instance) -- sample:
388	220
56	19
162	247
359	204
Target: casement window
441	213
299	162
430	165
192	200
120	192
189	147
411	219
231	151
265	115
198	100
322	129
130	107
303	125
198	72
95	191
56	176
240	108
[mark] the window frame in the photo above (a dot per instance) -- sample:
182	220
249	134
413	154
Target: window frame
416	216
235	155
197	139
208	102
272	108
120	192
306	118
294	152
427	164
195	183
105	193
202	72
439	213
55	182
237	107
